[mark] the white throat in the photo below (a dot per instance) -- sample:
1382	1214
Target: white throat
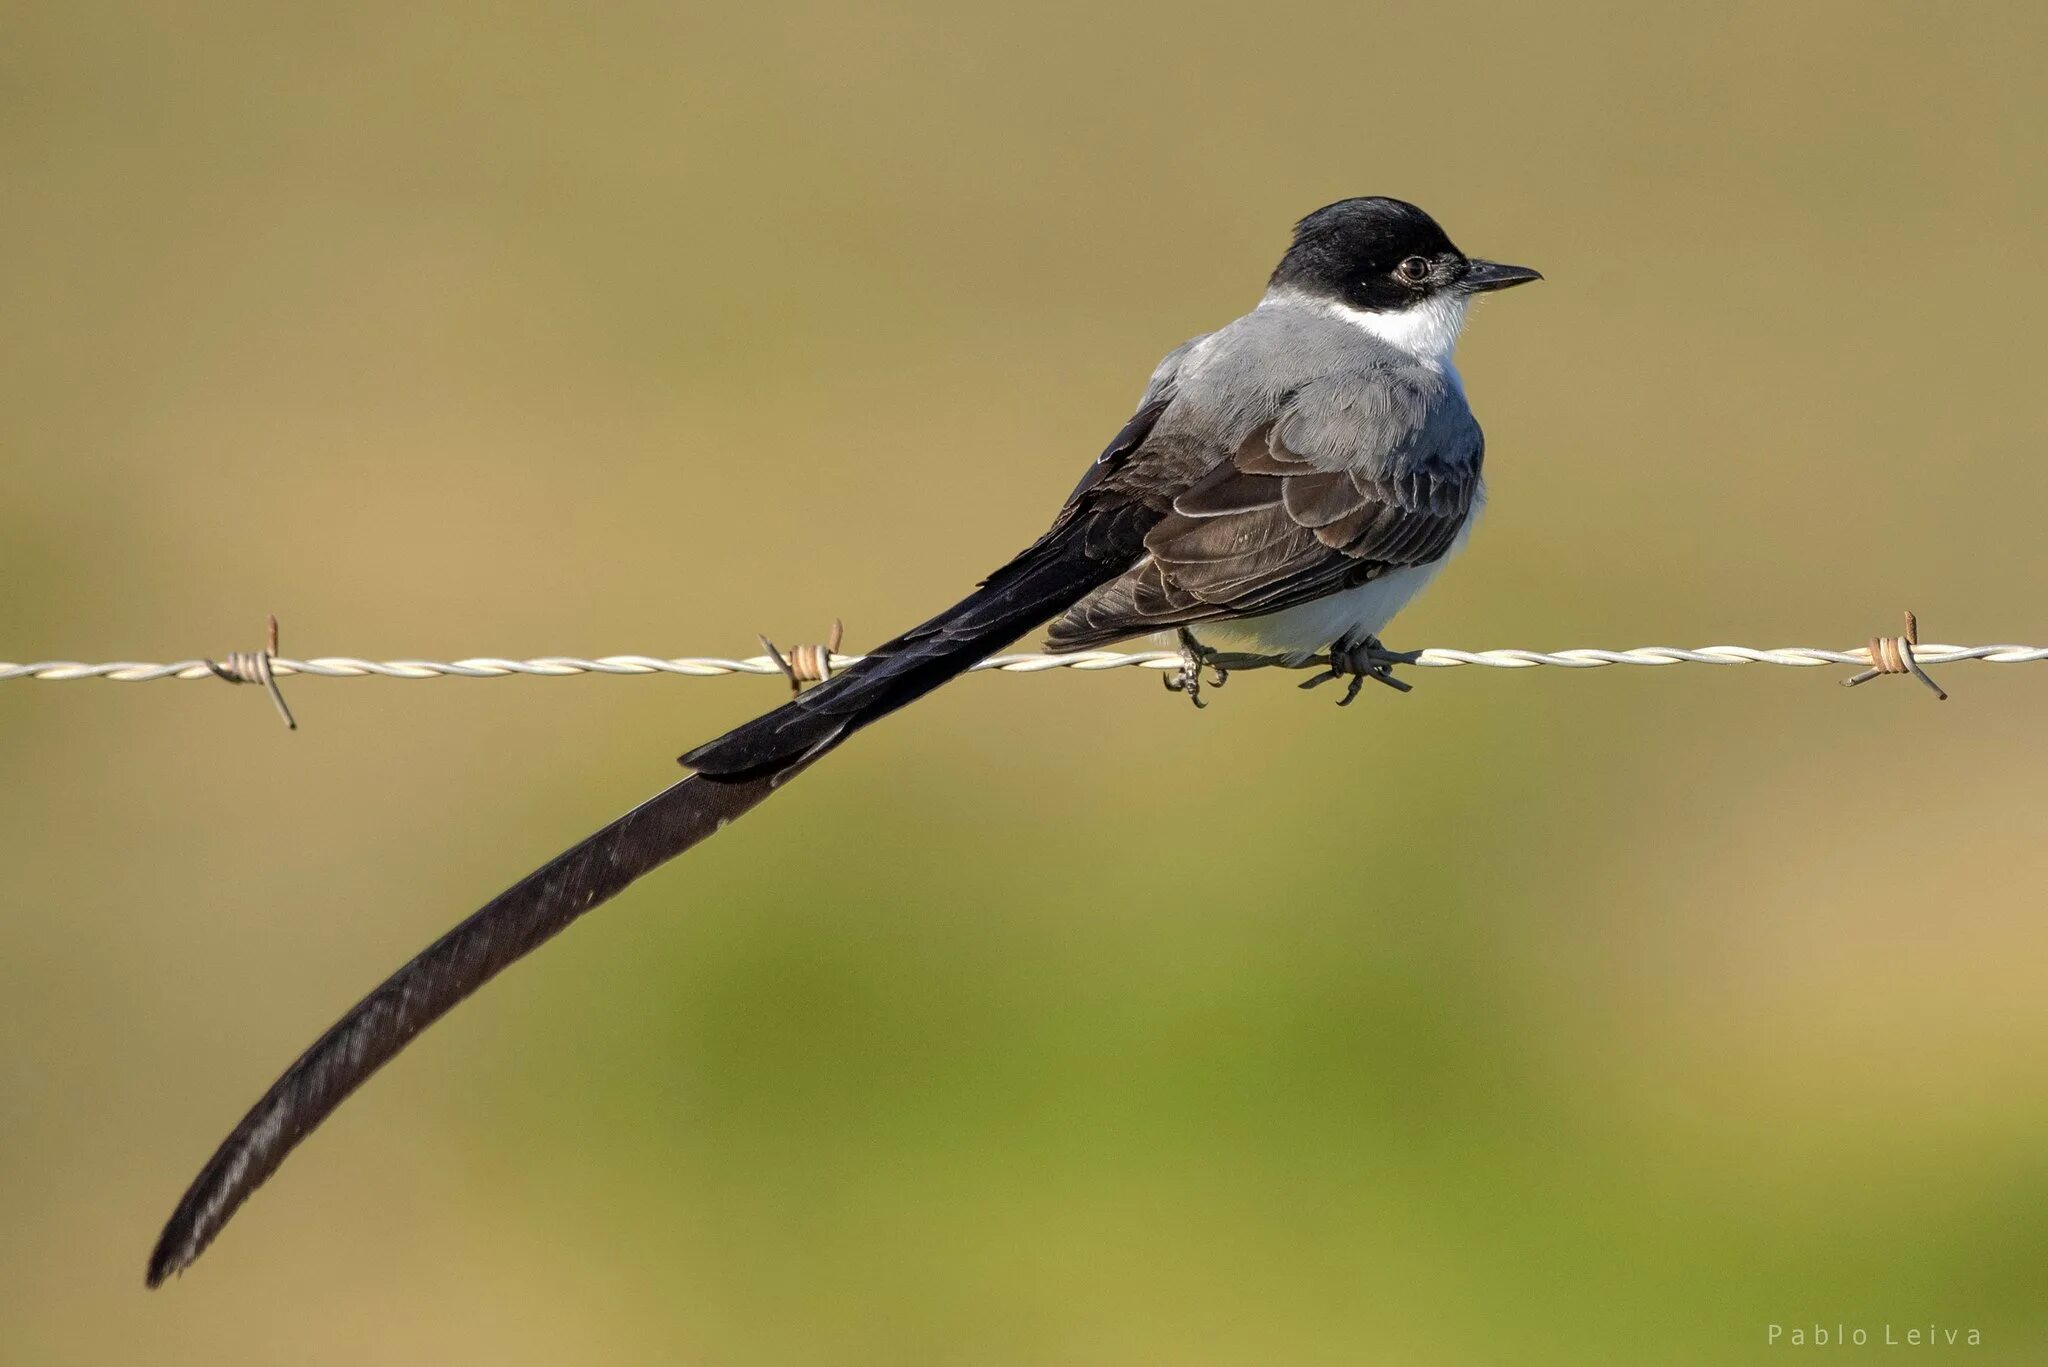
1428	331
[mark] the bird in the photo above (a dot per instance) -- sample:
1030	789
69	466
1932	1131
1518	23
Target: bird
1285	484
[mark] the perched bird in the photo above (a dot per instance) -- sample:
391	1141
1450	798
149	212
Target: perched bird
1286	484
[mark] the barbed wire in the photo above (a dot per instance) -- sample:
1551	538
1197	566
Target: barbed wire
814	663
1086	661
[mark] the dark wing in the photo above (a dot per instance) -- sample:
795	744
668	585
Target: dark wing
1270	528
1124	445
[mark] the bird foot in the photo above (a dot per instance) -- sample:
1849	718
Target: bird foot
1364	659
1194	656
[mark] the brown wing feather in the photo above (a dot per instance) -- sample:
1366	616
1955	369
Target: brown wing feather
1265	530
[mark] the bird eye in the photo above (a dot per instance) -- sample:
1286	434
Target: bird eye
1414	270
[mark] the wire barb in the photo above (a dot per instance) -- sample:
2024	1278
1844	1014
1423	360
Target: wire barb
242	667
807	663
1894	655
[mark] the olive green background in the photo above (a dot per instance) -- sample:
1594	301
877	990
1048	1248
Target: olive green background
1531	1018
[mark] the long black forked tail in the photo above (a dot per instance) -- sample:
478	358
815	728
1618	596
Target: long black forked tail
736	773
508	927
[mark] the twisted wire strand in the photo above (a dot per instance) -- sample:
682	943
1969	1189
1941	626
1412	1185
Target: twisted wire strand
713	666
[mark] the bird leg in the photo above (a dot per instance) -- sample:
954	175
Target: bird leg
1361	658
1188	678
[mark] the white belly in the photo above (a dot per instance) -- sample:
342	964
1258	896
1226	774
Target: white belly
1310	628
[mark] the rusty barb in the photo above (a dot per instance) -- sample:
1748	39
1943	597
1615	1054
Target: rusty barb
243	667
1894	655
807	663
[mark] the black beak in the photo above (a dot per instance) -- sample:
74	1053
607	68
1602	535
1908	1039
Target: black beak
1482	276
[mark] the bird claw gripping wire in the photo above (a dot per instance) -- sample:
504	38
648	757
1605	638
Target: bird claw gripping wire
1188	678
1894	655
1362	660
807	663
242	667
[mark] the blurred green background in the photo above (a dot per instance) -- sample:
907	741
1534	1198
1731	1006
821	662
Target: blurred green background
1531	1018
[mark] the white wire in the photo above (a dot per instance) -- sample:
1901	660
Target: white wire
711	666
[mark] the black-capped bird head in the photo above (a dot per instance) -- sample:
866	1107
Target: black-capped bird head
1381	255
